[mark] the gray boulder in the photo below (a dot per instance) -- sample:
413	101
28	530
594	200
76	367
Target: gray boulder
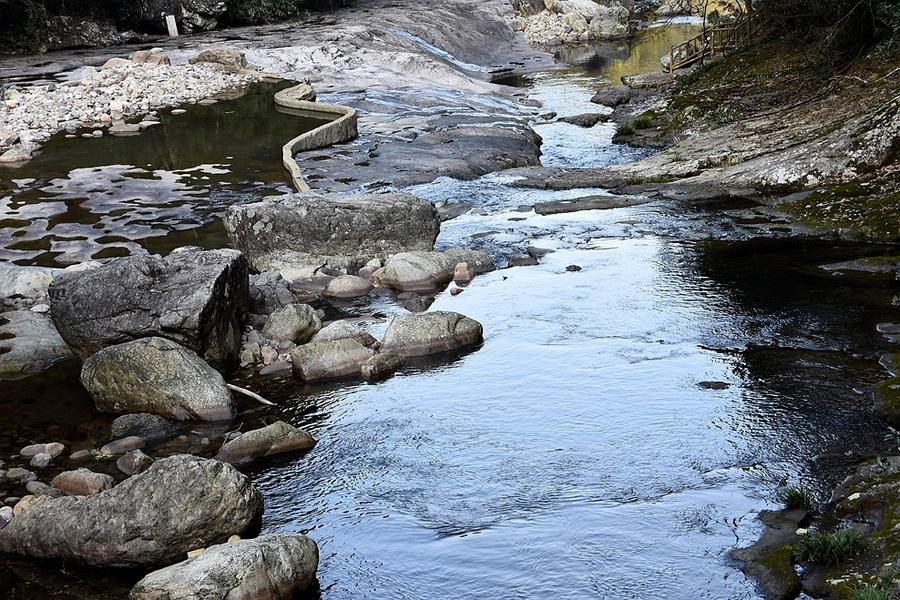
198	298
134	462
154	518
430	333
79	32
270	567
342	330
613	96
425	272
156	375
296	323
317	361
302	234
29	344
277	438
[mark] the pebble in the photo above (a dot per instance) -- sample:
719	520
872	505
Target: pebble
42	308
81	456
573	268
134	462
178	111
123	445
20	475
6	515
40	461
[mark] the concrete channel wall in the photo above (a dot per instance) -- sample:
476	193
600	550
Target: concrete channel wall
340	128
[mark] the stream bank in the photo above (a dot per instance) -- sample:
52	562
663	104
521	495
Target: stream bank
639	396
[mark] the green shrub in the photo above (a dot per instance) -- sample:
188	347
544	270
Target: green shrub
832	548
792	498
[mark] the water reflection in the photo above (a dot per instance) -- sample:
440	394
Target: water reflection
164	188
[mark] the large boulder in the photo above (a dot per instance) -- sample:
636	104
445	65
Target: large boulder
428	271
198	298
29	344
157	376
586	9
430	333
270	567
179	504
318	361
277	438
306	233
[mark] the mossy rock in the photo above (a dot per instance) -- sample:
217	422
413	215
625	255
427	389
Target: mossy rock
887	400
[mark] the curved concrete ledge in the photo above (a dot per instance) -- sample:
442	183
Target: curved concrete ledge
341	128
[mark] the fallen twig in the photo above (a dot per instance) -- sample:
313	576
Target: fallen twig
250	394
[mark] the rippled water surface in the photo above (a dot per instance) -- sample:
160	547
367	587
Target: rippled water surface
623	422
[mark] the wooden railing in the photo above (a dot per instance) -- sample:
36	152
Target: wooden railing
720	39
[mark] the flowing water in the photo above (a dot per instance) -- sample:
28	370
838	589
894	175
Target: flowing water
621	425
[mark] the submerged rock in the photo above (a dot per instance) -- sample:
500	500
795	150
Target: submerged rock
296	323
555	207
277	438
156	375
299	234
270	567
430	333
29	344
586	119
150	428
154	518
425	272
198	298
317	361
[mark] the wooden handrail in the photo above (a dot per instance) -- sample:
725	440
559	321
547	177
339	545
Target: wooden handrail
718	39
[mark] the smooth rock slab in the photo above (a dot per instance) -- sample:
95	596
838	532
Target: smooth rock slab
29	344
271	567
430	333
152	519
198	298
277	438
156	375
317	361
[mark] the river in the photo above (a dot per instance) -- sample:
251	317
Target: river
621	425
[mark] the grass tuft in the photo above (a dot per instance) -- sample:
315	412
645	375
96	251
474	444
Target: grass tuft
832	548
871	593
793	498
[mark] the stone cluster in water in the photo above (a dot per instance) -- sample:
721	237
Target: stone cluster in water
106	98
